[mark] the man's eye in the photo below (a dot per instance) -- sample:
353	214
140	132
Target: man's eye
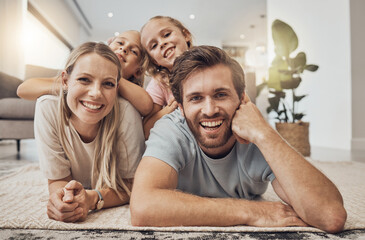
167	34
221	95
120	43
195	99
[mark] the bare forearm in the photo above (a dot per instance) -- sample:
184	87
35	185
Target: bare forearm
54	185
312	195
136	95
33	88
150	120
174	208
111	198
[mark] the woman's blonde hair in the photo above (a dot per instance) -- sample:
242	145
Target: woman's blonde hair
158	72
104	170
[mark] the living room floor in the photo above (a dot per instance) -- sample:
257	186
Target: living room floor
10	160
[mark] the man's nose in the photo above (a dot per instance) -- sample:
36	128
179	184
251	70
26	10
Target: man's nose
210	107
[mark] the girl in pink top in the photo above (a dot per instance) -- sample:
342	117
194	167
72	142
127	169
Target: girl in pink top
164	39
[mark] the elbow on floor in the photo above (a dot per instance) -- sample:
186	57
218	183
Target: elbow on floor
139	215
336	221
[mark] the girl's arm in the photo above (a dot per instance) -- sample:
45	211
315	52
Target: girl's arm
33	88
136	95
157	113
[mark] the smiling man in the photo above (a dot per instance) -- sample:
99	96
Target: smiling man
205	162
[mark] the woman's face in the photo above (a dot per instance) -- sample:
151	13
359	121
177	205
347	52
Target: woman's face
164	42
92	89
127	46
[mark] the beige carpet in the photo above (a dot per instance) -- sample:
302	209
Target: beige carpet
24	195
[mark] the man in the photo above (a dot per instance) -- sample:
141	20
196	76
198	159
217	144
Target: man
197	169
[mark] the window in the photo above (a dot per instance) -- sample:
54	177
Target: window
41	46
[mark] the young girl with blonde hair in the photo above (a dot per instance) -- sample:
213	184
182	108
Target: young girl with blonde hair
164	39
82	136
132	57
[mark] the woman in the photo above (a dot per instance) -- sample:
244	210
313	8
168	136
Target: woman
81	136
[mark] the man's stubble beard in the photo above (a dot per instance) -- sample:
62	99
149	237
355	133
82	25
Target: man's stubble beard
213	142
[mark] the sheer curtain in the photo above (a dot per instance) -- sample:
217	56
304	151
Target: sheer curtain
12	18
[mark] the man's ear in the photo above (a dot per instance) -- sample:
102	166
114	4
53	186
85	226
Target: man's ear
64	79
181	109
245	98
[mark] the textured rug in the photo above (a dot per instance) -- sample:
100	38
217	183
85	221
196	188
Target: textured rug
24	197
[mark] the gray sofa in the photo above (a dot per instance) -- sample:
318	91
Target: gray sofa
16	114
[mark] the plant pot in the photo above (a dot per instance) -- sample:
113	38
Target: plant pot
297	135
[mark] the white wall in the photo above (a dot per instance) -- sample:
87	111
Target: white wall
42	48
323	29
12	17
62	18
357	10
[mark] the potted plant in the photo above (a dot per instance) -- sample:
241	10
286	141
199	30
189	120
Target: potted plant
284	77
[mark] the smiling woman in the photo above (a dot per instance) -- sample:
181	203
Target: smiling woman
81	136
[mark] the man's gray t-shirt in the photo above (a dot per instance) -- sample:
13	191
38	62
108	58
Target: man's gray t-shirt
243	173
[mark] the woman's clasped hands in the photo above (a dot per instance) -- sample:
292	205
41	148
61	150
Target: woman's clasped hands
70	203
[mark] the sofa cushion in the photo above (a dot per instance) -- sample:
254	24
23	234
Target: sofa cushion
33	71
8	85
17	108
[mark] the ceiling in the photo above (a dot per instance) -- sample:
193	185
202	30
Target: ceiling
217	22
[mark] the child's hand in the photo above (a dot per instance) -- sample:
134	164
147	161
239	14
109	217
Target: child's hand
172	105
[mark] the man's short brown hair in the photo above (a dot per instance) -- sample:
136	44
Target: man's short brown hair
200	58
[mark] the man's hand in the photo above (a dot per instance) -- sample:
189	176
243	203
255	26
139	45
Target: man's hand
275	214
59	210
248	124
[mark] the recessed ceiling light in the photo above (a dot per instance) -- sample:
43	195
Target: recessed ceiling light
242	36
110	14
116	34
192	16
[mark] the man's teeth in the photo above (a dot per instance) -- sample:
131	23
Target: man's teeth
212	124
91	106
167	53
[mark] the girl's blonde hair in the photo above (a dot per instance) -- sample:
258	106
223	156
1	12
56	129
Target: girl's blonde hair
104	170
142	63
158	72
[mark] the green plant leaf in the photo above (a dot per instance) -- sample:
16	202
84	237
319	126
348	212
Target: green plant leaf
291	84
260	87
311	67
298	116
279	94
285	39
274	103
277	73
274	78
298	63
298	98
